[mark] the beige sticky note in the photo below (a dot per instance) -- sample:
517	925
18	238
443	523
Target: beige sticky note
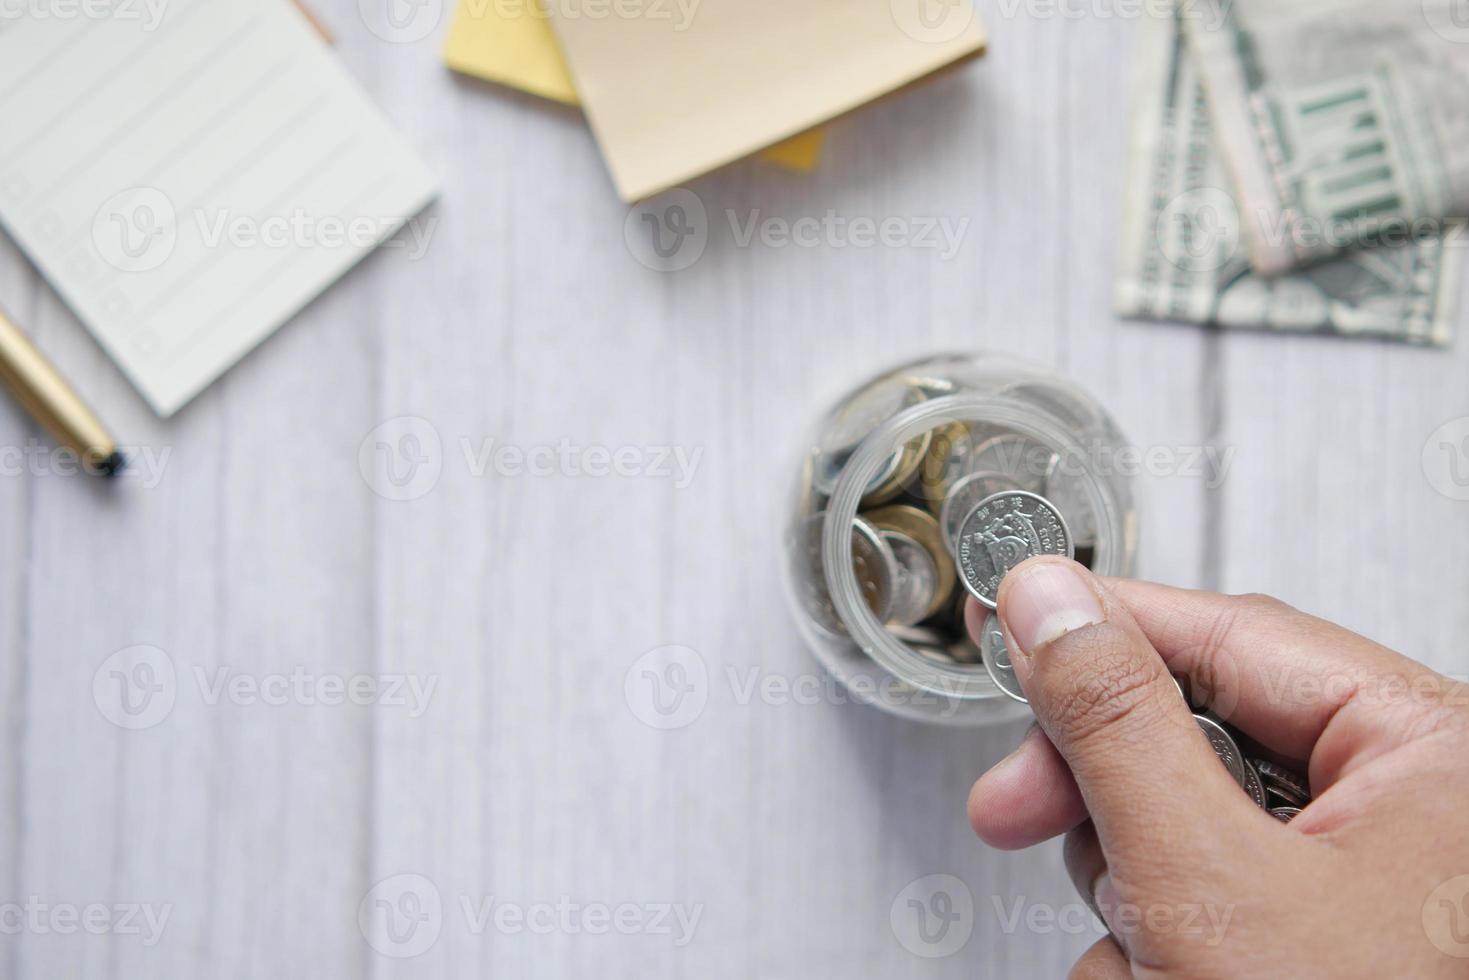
685	87
510	42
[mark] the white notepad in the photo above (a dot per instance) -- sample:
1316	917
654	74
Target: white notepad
190	182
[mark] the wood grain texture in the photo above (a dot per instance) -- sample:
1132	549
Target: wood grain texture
525	600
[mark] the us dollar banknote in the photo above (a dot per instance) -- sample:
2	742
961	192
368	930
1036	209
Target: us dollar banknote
1344	122
1183	255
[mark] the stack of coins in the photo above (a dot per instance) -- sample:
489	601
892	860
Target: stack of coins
1279	791
1274	788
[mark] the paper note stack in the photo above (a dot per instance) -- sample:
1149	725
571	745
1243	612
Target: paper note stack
1299	167
676	88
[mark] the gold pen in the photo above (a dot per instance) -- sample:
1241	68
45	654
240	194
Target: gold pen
44	393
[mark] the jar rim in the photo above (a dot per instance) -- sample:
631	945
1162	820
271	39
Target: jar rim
845	503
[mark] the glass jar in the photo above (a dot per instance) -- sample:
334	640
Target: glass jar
889	475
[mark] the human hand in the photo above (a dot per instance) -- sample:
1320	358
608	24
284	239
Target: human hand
1191	877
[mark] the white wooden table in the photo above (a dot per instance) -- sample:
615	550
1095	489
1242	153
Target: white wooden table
527	778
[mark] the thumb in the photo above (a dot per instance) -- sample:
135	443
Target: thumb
1148	775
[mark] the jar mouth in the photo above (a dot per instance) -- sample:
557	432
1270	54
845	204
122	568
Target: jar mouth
865	629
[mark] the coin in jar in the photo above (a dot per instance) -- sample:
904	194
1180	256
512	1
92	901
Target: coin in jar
1022	459
873	564
924	529
916	585
964	495
853	422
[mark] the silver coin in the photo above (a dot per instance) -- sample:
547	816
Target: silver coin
936	655
1254	788
1003	531
965	651
917	580
1025	461
949	458
873	563
1068	492
917	635
997	663
1227	749
1285	814
1284	783
876	568
966	494
853	422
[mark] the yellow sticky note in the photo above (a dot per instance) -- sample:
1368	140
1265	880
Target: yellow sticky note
514	47
800	153
511	43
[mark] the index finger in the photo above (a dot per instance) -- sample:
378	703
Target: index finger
1300	686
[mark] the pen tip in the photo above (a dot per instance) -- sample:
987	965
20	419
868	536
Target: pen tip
113	464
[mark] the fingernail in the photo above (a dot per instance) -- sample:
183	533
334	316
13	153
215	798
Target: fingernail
1104	901
1011	760
1046	602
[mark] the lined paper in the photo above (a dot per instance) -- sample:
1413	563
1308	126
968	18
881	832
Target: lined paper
189	181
